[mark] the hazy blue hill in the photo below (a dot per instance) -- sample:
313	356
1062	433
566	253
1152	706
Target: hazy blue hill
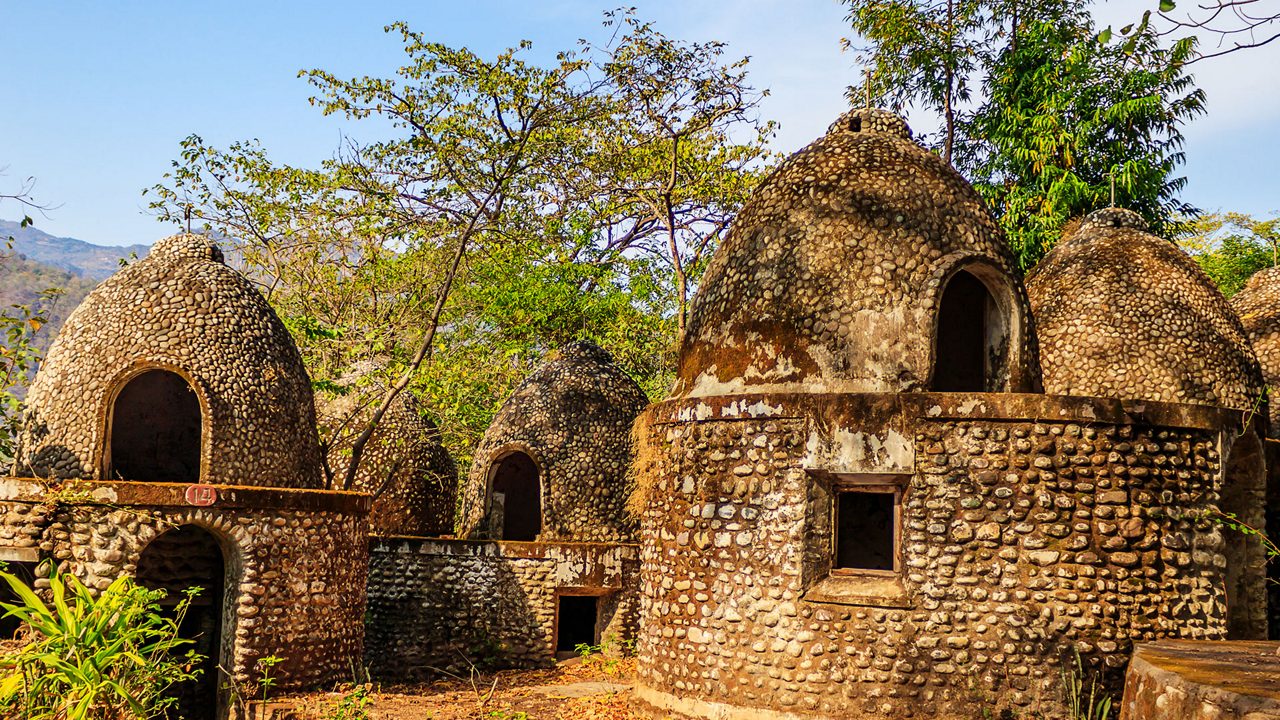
78	257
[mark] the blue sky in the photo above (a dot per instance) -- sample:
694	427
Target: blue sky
99	94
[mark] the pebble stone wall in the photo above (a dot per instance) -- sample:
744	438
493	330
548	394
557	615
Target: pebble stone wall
437	604
182	309
830	276
1021	539
1121	313
413	478
1258	305
573	416
296	565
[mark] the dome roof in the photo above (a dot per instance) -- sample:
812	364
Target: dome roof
572	417
1121	313
1258	307
177	338
831	277
413	478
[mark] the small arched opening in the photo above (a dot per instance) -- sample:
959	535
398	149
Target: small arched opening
971	337
156	430
1244	490
186	557
515	498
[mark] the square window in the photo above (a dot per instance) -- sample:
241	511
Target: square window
866	530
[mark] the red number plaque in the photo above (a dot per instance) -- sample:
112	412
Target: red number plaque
201	495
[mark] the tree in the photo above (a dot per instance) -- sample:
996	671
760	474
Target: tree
1062	113
1071	124
923	51
1231	247
672	163
506	215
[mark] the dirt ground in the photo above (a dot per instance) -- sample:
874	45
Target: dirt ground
595	689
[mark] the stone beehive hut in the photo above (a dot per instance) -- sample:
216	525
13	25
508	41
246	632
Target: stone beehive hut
175	352
411	476
852	505
1258	306
1121	313
179	399
553	466
779	309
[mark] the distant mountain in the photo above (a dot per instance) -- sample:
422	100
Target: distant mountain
96	262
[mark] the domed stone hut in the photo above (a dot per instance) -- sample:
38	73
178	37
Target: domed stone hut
553	466
174	369
412	477
778	311
1258	306
171	436
857	504
1121	313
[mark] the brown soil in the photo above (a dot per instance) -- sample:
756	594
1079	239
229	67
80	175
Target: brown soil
597	689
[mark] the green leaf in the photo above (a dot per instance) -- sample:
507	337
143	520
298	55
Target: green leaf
1167	6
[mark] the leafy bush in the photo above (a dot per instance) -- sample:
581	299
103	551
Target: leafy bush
91	658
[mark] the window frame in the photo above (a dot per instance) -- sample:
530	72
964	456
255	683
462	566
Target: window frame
867	484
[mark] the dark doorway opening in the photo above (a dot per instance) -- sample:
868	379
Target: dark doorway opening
576	620
516	499
866	531
969	332
155	430
182	558
25	572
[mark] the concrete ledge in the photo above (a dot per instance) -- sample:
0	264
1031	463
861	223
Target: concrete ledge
1203	680
945	406
149	494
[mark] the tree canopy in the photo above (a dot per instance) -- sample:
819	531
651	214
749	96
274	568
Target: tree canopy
517	205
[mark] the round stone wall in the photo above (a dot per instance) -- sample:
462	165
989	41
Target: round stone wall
1121	313
1258	307
572	419
181	310
1020	542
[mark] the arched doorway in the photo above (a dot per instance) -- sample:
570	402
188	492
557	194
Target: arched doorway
971	341
515	500
185	557
1244	497
155	430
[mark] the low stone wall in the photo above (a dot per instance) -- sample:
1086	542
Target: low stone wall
1191	680
438	604
295	560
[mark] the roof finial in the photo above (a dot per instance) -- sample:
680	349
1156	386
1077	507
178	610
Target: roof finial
1111	175
866	86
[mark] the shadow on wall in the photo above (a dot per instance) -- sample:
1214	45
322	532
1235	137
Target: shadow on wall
431	614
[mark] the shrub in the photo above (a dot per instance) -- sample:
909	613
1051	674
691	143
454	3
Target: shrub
93	658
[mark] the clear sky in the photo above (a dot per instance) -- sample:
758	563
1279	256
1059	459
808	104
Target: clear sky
98	94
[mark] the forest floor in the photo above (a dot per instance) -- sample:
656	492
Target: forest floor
597	688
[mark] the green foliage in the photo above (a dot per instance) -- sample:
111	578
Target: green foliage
1062	112
1231	247
1065	116
514	206
1084	699
110	656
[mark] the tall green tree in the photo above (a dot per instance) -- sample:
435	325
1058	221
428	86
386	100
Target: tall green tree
1071	124
509	212
1062	113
